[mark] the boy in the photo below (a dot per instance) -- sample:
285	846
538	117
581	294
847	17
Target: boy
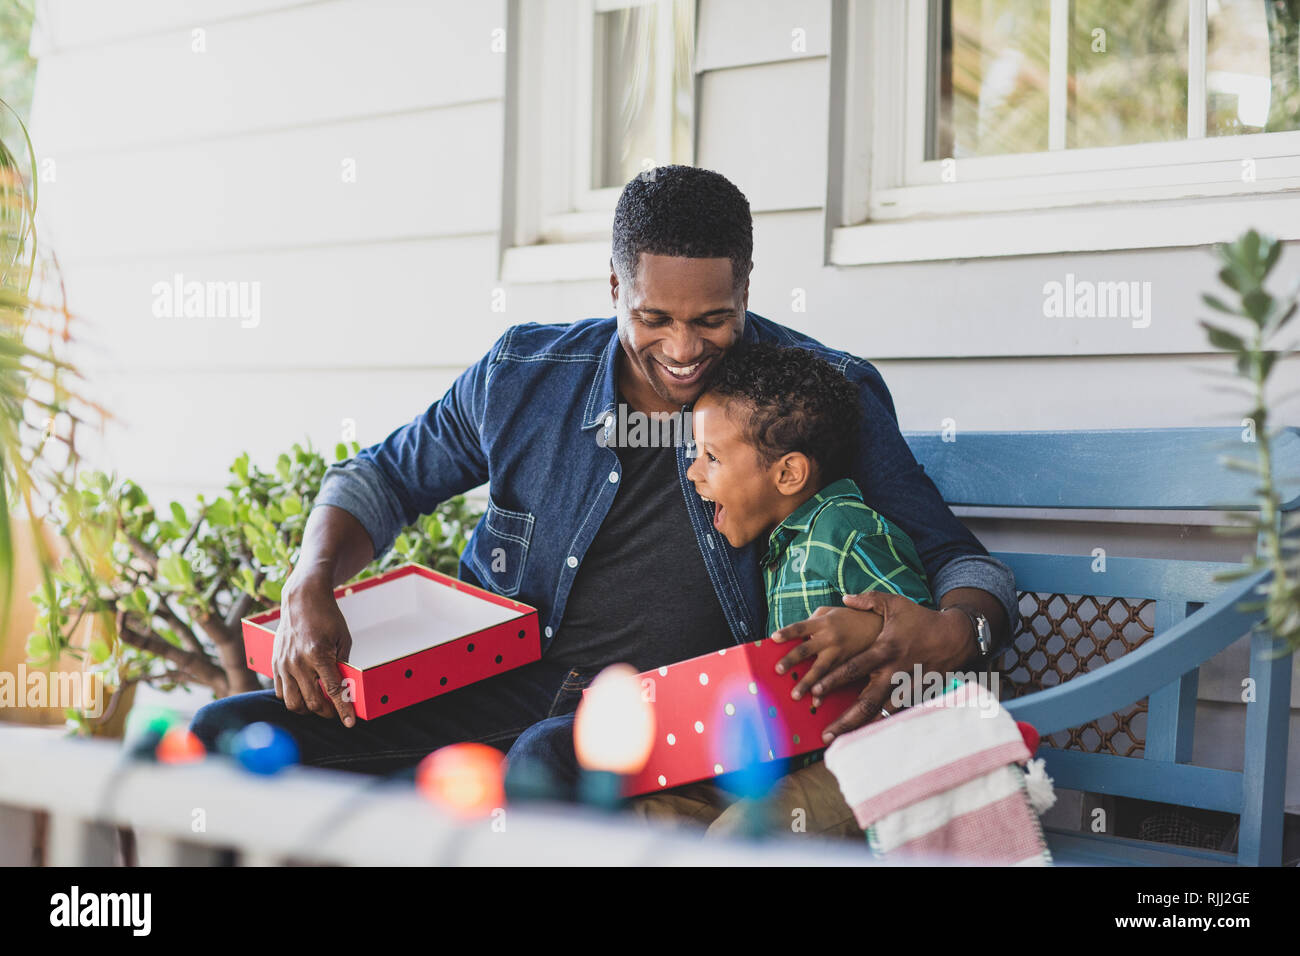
774	435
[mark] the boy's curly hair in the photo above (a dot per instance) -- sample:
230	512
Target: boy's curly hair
797	403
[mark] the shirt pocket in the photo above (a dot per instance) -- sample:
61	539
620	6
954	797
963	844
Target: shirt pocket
499	548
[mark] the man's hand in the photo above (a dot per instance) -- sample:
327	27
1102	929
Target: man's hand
834	636
910	634
311	639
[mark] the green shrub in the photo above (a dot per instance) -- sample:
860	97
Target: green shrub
169	586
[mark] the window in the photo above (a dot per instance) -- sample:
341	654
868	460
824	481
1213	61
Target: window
639	98
602	91
981	112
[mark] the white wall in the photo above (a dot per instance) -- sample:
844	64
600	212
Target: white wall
228	165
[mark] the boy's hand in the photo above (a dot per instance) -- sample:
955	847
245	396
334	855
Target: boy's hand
911	635
833	636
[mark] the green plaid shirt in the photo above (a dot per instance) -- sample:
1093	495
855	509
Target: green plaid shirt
834	545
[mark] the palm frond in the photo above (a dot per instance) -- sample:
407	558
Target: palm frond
36	463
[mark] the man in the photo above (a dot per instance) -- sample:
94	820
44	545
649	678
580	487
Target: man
611	544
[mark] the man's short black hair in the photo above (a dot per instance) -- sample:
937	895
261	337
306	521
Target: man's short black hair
797	403
683	211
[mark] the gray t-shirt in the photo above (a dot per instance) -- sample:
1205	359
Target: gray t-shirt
642	595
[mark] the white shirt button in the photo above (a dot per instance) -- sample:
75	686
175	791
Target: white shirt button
613	477
572	561
549	632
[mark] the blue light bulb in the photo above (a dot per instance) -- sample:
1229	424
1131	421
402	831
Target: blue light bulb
264	748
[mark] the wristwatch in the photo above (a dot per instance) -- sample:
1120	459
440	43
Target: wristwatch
983	632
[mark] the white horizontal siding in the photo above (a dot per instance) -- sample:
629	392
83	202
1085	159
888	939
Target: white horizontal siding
371	305
744	32
433	173
74	23
1087	392
989	307
228	166
176	432
764	128
295	67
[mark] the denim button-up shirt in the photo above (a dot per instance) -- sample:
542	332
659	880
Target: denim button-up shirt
529	418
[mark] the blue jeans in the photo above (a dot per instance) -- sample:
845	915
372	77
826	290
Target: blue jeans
495	712
545	751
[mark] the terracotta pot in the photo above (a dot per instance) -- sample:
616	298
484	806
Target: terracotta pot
111	723
21	618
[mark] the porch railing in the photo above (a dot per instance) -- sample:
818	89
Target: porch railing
197	814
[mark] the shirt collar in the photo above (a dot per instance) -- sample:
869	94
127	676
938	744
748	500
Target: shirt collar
801	519
602	401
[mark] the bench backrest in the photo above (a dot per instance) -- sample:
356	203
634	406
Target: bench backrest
1127	468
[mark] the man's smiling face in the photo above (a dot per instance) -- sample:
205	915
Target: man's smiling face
675	319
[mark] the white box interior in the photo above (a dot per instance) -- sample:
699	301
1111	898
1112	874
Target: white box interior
410	614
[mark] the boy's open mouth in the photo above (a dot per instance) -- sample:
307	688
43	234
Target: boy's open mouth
718	511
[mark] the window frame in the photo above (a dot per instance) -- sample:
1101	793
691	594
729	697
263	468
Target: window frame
586	196
555	225
887	203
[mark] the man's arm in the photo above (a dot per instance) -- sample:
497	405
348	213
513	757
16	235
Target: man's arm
313	636
362	505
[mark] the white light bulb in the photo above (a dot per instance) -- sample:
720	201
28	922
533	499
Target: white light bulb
615	726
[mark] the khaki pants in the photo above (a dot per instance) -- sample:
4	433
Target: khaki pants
806	801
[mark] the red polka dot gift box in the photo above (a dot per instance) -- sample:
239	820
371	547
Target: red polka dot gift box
723	711
416	633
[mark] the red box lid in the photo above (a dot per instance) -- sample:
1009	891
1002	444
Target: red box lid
719	710
416	633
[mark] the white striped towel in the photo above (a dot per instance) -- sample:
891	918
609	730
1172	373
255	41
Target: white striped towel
940	781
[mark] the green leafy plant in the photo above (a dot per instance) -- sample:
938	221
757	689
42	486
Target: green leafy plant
1255	320
172	585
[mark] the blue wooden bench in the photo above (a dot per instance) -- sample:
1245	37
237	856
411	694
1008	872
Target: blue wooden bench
1095	649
